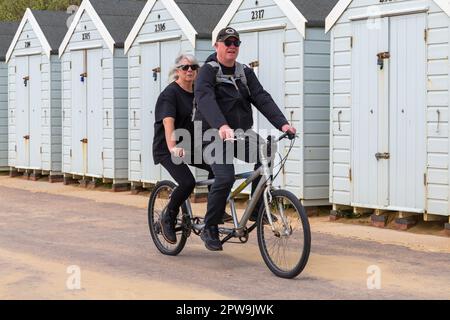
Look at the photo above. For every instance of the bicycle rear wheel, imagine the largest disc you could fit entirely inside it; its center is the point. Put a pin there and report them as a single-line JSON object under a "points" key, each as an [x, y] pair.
{"points": [[285, 250], [158, 202]]}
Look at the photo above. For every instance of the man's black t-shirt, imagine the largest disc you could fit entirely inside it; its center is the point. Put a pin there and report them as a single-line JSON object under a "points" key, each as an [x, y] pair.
{"points": [[173, 102]]}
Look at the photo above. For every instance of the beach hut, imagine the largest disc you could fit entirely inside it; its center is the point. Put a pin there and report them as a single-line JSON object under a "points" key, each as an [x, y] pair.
{"points": [[389, 100], [285, 43], [7, 31], [95, 92], [164, 29], [35, 95]]}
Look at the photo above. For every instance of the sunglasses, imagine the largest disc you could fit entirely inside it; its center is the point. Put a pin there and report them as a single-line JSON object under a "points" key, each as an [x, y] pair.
{"points": [[236, 43], [185, 67]]}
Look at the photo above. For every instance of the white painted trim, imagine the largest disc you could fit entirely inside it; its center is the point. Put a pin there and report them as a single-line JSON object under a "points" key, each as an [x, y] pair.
{"points": [[174, 11], [262, 27], [226, 18], [448, 201], [388, 208], [391, 13], [444, 5], [95, 45], [286, 6], [24, 53], [138, 25], [336, 13], [160, 38], [86, 6], [37, 30], [342, 5]]}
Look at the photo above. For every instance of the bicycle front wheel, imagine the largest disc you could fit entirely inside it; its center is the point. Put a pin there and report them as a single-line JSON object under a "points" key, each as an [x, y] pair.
{"points": [[158, 202], [286, 249]]}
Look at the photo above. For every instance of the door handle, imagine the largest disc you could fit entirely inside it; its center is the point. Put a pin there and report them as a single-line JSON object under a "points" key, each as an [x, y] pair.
{"points": [[25, 80], [155, 73], [383, 156], [381, 57], [83, 76], [84, 140], [254, 64]]}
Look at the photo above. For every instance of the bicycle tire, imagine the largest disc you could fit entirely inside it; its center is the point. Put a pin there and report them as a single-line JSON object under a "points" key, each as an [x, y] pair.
{"points": [[261, 234], [154, 224]]}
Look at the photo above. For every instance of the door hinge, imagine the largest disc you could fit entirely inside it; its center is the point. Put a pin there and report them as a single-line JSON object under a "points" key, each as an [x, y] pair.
{"points": [[140, 59], [71, 153], [350, 176], [70, 65], [40, 149], [351, 42], [284, 47], [425, 179], [15, 148], [425, 35], [103, 156], [140, 157], [40, 67]]}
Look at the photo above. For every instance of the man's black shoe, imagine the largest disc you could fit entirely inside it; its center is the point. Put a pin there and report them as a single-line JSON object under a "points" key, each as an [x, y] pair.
{"points": [[227, 217], [168, 223], [210, 236]]}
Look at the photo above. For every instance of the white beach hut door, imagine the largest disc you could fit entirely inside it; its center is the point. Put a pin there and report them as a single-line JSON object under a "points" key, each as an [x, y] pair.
{"points": [[95, 119], [22, 112], [271, 76], [268, 66], [157, 59], [35, 105], [150, 92], [407, 111], [370, 121], [389, 99], [248, 55], [79, 113], [169, 52]]}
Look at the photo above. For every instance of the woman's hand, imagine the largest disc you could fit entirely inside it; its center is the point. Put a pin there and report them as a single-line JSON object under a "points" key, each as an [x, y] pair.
{"points": [[226, 133], [178, 152]]}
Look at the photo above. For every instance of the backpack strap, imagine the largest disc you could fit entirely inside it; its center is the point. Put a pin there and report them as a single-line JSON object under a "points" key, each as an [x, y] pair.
{"points": [[239, 74]]}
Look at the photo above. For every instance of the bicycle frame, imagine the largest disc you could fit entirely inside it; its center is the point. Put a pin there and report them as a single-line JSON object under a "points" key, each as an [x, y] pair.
{"points": [[263, 189]]}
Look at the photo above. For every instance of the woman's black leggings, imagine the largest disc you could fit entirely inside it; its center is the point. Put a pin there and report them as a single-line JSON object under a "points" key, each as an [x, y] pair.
{"points": [[184, 179]]}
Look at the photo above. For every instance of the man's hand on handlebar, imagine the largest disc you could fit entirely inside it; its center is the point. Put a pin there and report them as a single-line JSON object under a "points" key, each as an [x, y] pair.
{"points": [[291, 131]]}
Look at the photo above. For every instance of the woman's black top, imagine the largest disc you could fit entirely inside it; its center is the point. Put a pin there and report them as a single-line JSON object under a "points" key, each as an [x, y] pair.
{"points": [[173, 102]]}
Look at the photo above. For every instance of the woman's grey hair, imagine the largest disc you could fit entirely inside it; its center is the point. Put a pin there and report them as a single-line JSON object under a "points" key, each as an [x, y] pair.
{"points": [[173, 76]]}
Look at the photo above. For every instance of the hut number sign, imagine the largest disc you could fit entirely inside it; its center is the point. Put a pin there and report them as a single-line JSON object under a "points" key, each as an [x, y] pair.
{"points": [[160, 27], [86, 36], [258, 14]]}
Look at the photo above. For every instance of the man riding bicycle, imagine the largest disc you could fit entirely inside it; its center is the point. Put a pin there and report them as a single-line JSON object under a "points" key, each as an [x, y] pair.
{"points": [[225, 91]]}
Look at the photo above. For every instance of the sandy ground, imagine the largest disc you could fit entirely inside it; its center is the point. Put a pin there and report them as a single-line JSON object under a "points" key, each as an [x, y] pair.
{"points": [[45, 228]]}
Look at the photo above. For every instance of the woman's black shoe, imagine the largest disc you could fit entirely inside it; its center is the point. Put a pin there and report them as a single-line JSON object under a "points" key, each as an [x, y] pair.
{"points": [[168, 223]]}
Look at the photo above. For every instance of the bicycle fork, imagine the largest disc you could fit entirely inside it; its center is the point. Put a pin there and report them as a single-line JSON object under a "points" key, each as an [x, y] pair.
{"points": [[268, 198]]}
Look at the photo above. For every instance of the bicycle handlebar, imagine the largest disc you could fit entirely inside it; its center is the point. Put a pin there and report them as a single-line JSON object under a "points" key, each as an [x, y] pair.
{"points": [[288, 135]]}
